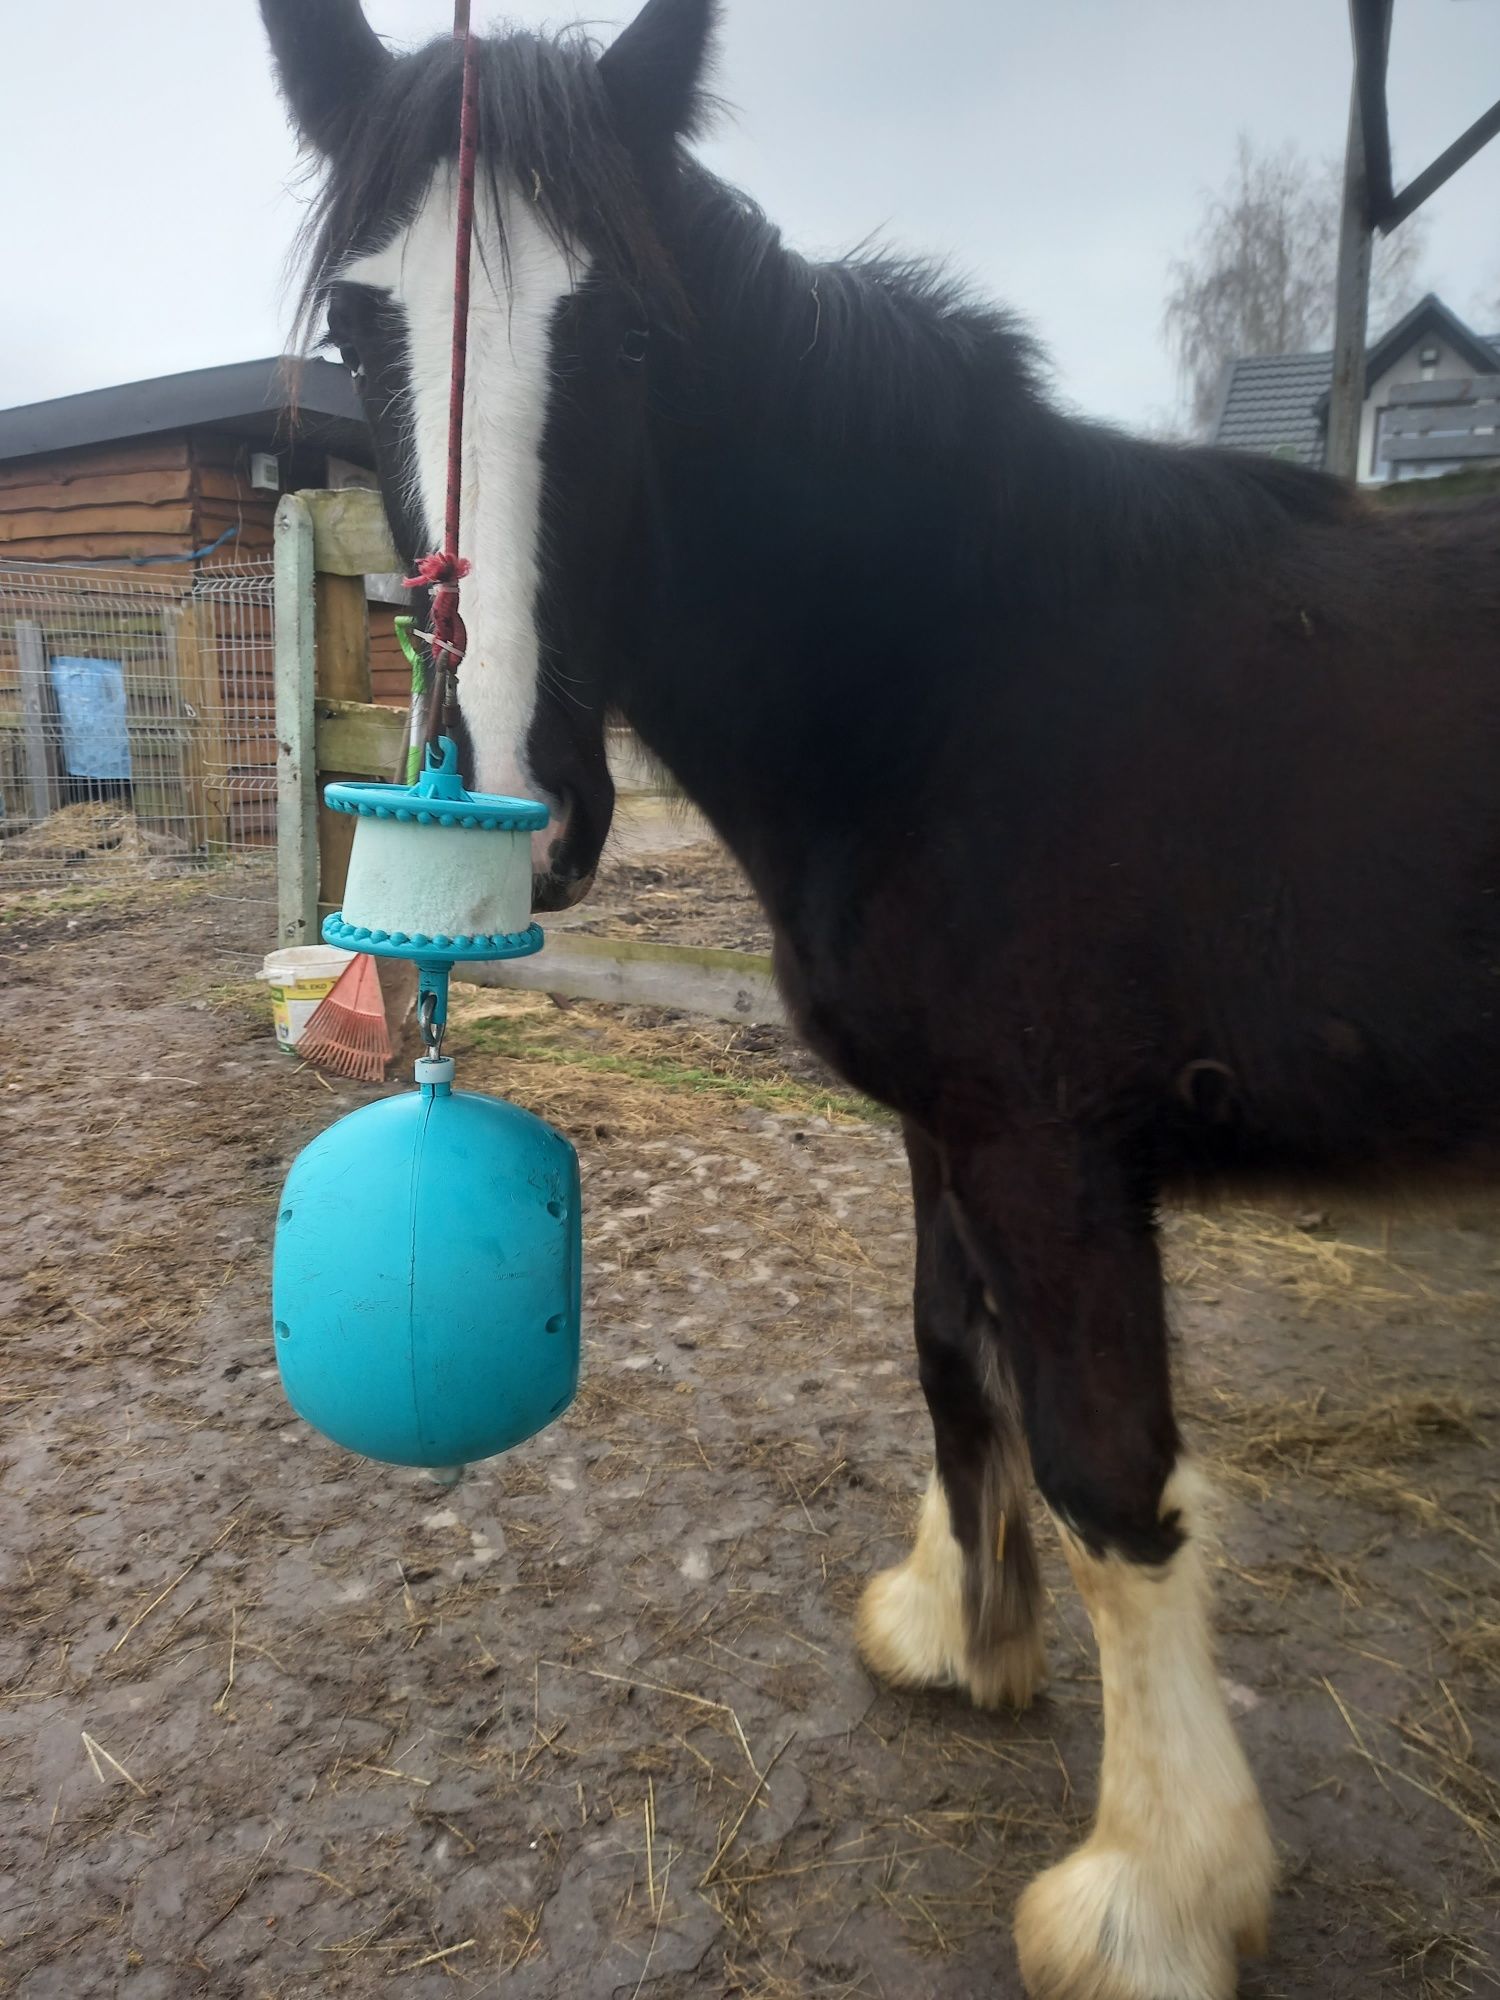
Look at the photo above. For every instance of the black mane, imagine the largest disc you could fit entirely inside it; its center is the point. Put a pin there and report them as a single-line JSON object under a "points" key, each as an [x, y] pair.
{"points": [[870, 351], [874, 352], [869, 338]]}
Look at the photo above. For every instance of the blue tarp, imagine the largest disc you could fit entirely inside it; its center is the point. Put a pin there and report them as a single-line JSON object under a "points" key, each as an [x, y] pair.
{"points": [[91, 701]]}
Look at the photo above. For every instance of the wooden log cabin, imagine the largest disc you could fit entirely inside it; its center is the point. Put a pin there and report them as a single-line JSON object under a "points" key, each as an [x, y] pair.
{"points": [[170, 480], [157, 473]]}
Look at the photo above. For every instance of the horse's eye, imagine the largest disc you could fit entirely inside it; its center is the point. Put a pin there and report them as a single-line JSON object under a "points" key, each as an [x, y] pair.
{"points": [[348, 353]]}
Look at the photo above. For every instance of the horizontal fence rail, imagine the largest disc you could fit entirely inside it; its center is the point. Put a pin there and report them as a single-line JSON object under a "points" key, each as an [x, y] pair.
{"points": [[1445, 422]]}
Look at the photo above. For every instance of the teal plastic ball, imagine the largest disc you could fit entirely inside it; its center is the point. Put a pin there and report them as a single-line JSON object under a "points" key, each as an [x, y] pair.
{"points": [[426, 1285]]}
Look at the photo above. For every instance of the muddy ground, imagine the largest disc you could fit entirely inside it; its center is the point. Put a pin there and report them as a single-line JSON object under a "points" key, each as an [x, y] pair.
{"points": [[692, 895], [275, 1721]]}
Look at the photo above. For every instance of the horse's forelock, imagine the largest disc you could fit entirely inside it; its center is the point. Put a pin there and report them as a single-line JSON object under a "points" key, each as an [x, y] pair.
{"points": [[545, 130]]}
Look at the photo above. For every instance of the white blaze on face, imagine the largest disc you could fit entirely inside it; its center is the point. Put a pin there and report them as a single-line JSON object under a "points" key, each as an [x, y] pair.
{"points": [[505, 411]]}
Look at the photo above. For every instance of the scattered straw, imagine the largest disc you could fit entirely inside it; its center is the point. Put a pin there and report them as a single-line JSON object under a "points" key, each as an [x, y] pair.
{"points": [[162, 1595], [221, 1706], [1249, 1248], [656, 1895], [438, 1957], [240, 1894], [97, 1755], [658, 1687], [754, 1793], [1353, 1449], [1458, 1785], [384, 1771]]}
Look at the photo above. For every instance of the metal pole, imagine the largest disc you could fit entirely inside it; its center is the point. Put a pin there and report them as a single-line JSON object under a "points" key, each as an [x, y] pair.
{"points": [[1351, 306], [1356, 243]]}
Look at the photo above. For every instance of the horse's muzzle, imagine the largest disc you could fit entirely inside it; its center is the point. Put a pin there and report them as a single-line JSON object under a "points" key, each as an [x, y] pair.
{"points": [[559, 892]]}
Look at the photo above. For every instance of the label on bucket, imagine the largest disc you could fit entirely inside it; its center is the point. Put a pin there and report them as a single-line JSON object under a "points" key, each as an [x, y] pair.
{"points": [[293, 1006]]}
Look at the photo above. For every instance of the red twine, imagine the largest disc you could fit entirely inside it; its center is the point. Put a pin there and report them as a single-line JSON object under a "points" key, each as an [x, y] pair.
{"points": [[439, 571], [442, 571]]}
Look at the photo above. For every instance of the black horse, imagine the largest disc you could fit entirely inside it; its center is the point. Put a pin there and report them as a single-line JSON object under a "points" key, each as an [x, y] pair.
{"points": [[1128, 816]]}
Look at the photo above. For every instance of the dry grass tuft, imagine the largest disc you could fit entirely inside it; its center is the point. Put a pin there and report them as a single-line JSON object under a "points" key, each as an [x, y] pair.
{"points": [[1433, 1755], [1436, 1957], [1476, 1647], [1248, 1249], [1358, 1452], [638, 1072], [1312, 1436], [93, 833]]}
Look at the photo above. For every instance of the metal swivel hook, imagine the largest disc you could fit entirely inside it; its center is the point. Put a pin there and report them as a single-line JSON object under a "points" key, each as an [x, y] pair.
{"points": [[432, 1007]]}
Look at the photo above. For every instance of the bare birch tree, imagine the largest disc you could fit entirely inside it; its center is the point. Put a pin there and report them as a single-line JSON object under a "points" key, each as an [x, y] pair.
{"points": [[1258, 277]]}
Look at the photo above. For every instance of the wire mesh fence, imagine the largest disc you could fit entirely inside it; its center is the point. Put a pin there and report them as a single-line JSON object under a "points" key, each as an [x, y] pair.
{"points": [[138, 733]]}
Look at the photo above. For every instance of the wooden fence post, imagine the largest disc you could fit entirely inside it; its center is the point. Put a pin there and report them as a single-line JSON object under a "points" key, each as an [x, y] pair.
{"points": [[40, 781], [296, 754], [327, 727], [355, 739], [341, 673]]}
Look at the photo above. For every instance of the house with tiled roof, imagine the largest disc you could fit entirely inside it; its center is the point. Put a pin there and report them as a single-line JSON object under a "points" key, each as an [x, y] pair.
{"points": [[1432, 400]]}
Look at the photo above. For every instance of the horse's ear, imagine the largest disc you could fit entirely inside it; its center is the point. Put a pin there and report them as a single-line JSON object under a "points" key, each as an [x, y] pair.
{"points": [[654, 70], [327, 57]]}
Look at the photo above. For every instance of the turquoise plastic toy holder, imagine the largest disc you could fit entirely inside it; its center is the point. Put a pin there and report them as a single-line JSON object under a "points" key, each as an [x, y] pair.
{"points": [[428, 1258]]}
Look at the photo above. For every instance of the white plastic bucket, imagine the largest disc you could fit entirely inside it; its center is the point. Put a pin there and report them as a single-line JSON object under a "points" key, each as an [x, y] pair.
{"points": [[300, 978]]}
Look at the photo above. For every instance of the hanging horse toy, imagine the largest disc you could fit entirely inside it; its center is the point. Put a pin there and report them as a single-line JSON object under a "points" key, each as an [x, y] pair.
{"points": [[428, 1259]]}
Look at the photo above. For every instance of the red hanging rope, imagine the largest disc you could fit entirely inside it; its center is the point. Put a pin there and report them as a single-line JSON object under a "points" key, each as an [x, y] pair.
{"points": [[442, 572]]}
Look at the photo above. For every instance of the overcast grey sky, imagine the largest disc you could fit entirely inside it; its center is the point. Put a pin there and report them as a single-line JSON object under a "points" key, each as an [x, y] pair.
{"points": [[1056, 150]]}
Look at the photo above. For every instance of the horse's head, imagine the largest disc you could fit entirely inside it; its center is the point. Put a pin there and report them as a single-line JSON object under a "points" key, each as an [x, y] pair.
{"points": [[568, 275]]}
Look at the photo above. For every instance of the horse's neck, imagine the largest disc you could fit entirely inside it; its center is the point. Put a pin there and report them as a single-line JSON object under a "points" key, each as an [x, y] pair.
{"points": [[801, 537]]}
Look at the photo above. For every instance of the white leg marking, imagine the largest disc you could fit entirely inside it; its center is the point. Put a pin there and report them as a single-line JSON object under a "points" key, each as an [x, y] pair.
{"points": [[505, 413], [912, 1627], [1178, 1872]]}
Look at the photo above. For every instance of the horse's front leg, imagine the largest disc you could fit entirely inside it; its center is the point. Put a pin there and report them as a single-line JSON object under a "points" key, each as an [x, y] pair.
{"points": [[963, 1609], [1177, 1875]]}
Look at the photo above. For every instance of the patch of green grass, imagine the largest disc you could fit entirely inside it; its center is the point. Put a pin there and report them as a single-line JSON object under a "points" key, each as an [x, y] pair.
{"points": [[80, 899], [246, 1000], [1463, 485], [526, 1039], [27, 903], [239, 996]]}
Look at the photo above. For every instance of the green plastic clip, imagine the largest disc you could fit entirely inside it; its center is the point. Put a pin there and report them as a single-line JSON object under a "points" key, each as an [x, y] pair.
{"points": [[421, 681]]}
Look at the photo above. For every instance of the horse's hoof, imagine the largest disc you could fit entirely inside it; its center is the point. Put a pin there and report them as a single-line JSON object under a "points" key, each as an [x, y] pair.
{"points": [[911, 1632], [1112, 1924], [1010, 1673]]}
